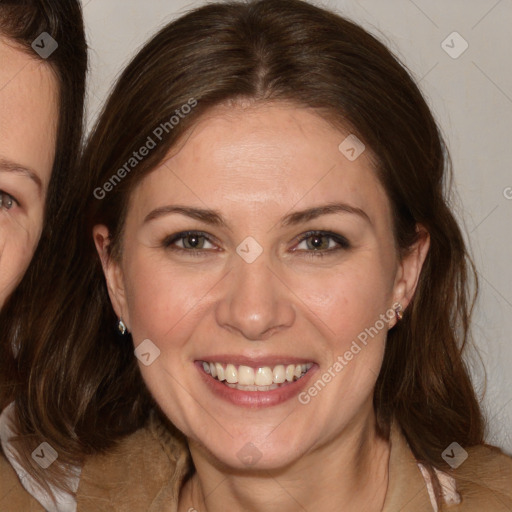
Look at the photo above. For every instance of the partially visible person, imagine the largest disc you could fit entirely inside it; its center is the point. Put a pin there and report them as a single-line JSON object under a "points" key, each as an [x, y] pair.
{"points": [[42, 79], [43, 65]]}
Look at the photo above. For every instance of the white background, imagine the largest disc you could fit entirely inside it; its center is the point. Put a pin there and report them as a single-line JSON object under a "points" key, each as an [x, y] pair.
{"points": [[471, 97]]}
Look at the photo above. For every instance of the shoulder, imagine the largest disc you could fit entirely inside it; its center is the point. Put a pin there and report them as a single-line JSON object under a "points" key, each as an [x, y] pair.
{"points": [[484, 479], [144, 467], [13, 496]]}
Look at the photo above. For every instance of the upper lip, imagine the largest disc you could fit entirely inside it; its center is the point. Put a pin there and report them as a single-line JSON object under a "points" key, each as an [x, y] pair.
{"points": [[255, 362]]}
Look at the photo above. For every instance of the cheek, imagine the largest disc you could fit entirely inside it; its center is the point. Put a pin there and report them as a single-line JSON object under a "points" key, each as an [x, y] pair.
{"points": [[349, 299], [159, 297], [17, 245], [353, 306]]}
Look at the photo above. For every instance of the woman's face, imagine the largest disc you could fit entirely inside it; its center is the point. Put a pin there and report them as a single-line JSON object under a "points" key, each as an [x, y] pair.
{"points": [[253, 292], [28, 121]]}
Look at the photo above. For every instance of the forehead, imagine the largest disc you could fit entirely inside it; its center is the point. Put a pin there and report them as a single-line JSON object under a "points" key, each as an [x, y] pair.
{"points": [[29, 107], [263, 156]]}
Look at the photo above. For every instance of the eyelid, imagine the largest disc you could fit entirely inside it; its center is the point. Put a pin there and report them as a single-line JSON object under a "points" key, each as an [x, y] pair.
{"points": [[171, 239], [339, 239]]}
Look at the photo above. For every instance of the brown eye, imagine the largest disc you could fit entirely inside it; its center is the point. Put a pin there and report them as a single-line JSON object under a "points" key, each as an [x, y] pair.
{"points": [[190, 242], [318, 242], [193, 241]]}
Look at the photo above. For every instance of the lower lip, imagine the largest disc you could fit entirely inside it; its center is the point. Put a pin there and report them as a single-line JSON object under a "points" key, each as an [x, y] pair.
{"points": [[256, 399]]}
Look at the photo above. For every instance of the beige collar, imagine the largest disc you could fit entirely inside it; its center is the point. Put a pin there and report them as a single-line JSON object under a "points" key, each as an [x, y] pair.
{"points": [[146, 471]]}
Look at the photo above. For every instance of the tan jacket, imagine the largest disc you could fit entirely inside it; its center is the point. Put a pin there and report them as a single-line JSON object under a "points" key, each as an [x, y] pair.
{"points": [[145, 471]]}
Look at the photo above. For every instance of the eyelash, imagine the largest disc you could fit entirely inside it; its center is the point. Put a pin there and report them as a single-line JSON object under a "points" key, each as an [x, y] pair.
{"points": [[9, 198], [343, 243]]}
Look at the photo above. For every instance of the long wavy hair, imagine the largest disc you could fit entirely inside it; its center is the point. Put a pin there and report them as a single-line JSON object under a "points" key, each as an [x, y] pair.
{"points": [[78, 386]]}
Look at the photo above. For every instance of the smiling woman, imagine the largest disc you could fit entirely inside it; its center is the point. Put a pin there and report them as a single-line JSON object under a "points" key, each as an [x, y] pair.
{"points": [[290, 237]]}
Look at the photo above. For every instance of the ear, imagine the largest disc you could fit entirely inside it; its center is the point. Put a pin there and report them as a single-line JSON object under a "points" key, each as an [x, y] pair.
{"points": [[409, 269], [113, 273]]}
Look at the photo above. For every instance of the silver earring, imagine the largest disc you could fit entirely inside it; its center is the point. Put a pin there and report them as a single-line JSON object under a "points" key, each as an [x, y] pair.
{"points": [[398, 312], [121, 327]]}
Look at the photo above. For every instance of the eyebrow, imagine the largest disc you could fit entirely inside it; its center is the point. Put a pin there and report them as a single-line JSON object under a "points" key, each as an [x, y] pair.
{"points": [[214, 218], [317, 211], [9, 166]]}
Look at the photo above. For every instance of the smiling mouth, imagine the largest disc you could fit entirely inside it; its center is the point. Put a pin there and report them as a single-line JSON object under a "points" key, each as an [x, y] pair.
{"points": [[247, 378]]}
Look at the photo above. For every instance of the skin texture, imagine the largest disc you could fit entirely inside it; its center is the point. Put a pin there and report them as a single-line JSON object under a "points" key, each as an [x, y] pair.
{"points": [[28, 125], [256, 164]]}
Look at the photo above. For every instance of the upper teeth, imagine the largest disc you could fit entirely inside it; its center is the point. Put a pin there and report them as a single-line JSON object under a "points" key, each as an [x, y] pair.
{"points": [[262, 376]]}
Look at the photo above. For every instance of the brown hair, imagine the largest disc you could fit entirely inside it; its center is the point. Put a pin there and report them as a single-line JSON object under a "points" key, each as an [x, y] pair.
{"points": [[78, 385]]}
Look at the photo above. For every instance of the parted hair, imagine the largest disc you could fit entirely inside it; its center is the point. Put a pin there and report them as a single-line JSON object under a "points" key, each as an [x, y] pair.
{"points": [[77, 385]]}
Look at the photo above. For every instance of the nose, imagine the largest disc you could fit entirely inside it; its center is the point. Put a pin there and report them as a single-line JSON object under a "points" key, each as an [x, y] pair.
{"points": [[255, 302]]}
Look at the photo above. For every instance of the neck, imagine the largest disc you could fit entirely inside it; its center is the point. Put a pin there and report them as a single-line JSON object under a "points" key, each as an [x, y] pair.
{"points": [[349, 473]]}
